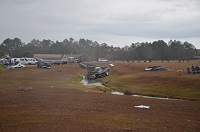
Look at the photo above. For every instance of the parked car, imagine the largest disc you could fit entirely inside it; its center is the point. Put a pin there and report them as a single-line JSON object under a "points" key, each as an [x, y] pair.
{"points": [[4, 62], [43, 64], [102, 60], [46, 65], [154, 68], [77, 60]]}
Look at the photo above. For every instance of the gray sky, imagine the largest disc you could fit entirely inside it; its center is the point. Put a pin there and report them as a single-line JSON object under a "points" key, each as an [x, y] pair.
{"points": [[115, 22]]}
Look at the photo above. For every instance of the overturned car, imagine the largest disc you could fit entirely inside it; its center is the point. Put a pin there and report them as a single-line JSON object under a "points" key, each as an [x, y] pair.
{"points": [[154, 68], [95, 71]]}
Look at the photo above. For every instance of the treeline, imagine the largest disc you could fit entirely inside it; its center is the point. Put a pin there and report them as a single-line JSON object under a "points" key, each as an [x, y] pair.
{"points": [[158, 50]]}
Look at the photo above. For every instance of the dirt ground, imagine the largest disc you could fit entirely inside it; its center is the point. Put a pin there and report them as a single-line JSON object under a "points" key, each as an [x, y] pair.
{"points": [[49, 108]]}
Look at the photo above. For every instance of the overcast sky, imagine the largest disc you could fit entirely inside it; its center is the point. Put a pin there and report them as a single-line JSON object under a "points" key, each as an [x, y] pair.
{"points": [[115, 22]]}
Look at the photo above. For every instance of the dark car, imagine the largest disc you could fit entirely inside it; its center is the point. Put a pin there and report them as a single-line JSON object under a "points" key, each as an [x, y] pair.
{"points": [[83, 65], [195, 69], [46, 65], [42, 64], [154, 68], [97, 71], [77, 60]]}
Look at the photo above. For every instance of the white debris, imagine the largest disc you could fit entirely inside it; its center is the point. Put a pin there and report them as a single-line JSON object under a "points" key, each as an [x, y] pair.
{"points": [[111, 64], [142, 107], [117, 93]]}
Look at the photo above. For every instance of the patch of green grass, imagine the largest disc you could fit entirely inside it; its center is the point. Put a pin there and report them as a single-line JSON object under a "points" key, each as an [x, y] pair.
{"points": [[1, 67], [168, 87]]}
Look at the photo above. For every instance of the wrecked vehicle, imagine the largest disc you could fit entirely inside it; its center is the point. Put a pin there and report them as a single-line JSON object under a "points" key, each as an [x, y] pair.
{"points": [[97, 71], [154, 68], [18, 65]]}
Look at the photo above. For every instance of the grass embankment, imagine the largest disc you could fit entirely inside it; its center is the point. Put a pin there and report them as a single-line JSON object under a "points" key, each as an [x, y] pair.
{"points": [[59, 76], [132, 79], [128, 77]]}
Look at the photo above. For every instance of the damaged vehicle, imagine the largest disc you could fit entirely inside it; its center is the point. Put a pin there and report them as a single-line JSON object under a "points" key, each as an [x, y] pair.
{"points": [[154, 68], [97, 71], [18, 65]]}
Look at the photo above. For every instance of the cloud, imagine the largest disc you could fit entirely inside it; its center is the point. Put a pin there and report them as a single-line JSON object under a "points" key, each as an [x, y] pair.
{"points": [[100, 19]]}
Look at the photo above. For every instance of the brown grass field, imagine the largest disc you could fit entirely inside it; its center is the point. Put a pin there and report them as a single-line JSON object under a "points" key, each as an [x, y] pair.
{"points": [[59, 102]]}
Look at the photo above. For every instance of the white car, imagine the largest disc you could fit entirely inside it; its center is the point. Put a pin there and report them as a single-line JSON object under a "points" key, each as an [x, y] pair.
{"points": [[102, 60]]}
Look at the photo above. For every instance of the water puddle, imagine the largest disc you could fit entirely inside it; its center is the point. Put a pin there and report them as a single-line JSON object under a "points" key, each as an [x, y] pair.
{"points": [[91, 82], [135, 95], [117, 93]]}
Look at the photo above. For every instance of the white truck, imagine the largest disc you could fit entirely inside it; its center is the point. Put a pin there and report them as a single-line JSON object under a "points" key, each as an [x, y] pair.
{"points": [[24, 60]]}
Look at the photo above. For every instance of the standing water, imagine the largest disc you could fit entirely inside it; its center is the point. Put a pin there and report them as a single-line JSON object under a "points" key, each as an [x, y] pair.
{"points": [[91, 82]]}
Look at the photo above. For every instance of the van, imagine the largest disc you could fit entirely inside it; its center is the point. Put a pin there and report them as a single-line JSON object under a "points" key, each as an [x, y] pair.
{"points": [[19, 60]]}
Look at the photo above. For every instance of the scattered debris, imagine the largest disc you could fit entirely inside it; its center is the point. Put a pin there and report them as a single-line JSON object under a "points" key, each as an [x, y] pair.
{"points": [[111, 64], [25, 88], [142, 107], [117, 93], [18, 65]]}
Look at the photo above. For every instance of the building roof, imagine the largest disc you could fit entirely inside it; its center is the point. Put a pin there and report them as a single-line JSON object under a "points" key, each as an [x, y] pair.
{"points": [[62, 57], [48, 56]]}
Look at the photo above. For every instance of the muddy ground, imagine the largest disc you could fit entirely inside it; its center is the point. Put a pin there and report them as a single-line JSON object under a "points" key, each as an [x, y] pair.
{"points": [[52, 107]]}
